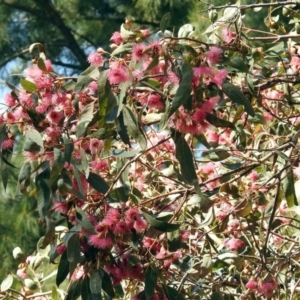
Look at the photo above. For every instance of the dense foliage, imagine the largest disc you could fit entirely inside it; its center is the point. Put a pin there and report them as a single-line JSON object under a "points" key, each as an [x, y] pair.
{"points": [[169, 168]]}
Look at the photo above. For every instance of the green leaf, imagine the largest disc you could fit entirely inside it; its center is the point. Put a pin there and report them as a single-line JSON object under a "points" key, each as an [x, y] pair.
{"points": [[83, 220], [160, 225], [184, 89], [236, 63], [63, 269], [124, 153], [85, 290], [150, 282], [41, 64], [54, 294], [98, 183], [217, 122], [28, 86], [121, 129], [133, 128], [7, 282], [185, 157], [235, 94], [73, 248], [43, 192], [217, 154], [174, 242], [69, 147], [82, 82], [33, 141], [289, 189], [165, 21], [153, 63], [74, 290], [171, 293], [84, 119], [104, 89], [96, 284], [58, 165], [24, 176], [119, 194], [107, 285], [276, 50], [124, 48]]}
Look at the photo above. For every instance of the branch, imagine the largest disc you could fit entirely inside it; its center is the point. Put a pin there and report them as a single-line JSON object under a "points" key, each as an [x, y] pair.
{"points": [[275, 38], [270, 83], [244, 7], [56, 19], [13, 56]]}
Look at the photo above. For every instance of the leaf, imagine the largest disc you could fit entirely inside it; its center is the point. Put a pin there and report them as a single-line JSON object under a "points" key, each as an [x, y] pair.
{"points": [[185, 157], [236, 63], [83, 220], [171, 293], [165, 21], [174, 242], [43, 192], [133, 128], [150, 282], [74, 290], [153, 63], [82, 82], [235, 94], [7, 282], [124, 48], [215, 154], [85, 290], [184, 89], [85, 118], [63, 269], [54, 294], [217, 122], [28, 86], [124, 153], [73, 248], [160, 225], [24, 176], [107, 285], [69, 147], [41, 64], [186, 31], [33, 141], [276, 50], [119, 194], [122, 130], [289, 189], [98, 183], [58, 165], [104, 89], [96, 284]]}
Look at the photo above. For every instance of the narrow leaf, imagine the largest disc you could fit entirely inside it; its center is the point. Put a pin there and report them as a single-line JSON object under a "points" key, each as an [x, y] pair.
{"points": [[165, 21], [73, 248], [96, 284], [103, 88], [63, 269], [107, 285], [171, 293], [150, 282], [85, 290], [160, 225], [185, 157], [235, 94], [133, 127], [74, 290], [58, 165], [184, 89], [82, 82], [217, 122], [289, 190]]}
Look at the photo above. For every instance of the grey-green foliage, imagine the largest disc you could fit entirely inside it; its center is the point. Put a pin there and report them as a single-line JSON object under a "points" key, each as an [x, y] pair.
{"points": [[18, 222]]}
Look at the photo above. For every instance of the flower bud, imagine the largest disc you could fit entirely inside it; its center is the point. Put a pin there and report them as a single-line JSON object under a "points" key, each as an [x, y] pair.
{"points": [[18, 254], [30, 284]]}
